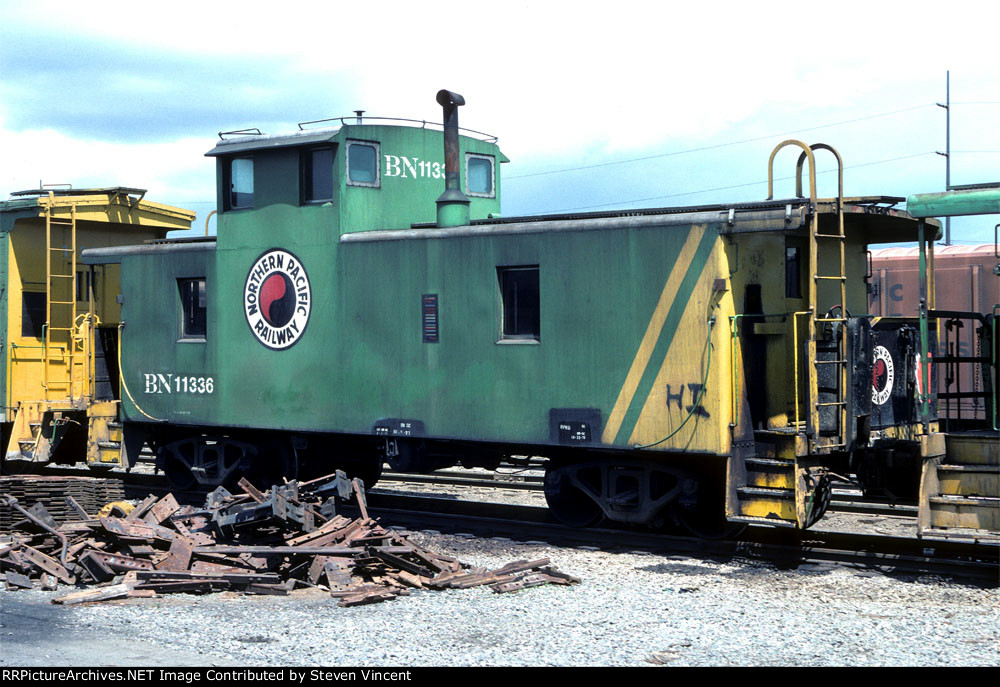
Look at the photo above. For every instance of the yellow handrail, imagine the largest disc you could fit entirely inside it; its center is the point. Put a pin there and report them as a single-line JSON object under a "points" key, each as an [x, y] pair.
{"points": [[815, 277], [795, 358]]}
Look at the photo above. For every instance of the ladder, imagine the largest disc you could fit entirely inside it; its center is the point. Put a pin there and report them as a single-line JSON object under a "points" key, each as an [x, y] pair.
{"points": [[60, 304], [834, 397], [819, 242]]}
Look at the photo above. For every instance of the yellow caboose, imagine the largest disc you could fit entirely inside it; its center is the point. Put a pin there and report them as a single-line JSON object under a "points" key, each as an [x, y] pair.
{"points": [[59, 319]]}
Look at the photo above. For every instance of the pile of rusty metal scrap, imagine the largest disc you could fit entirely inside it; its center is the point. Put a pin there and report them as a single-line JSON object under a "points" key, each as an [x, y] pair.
{"points": [[254, 542]]}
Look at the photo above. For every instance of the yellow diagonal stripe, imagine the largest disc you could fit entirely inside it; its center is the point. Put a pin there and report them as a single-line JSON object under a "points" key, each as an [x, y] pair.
{"points": [[685, 362], [652, 334]]}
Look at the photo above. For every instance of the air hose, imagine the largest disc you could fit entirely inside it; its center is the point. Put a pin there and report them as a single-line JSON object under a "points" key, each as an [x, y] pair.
{"points": [[121, 376], [701, 392]]}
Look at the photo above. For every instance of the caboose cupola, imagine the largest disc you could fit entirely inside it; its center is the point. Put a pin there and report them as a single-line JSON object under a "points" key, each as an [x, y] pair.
{"points": [[363, 174]]}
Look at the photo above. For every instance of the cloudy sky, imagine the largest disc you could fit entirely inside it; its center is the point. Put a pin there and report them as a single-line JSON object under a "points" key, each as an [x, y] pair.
{"points": [[598, 105]]}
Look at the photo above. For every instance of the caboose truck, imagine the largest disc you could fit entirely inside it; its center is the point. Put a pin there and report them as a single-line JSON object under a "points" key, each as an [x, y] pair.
{"points": [[58, 321], [706, 366]]}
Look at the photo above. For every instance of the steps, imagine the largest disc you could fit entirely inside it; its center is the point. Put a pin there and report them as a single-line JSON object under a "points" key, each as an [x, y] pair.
{"points": [[960, 491], [27, 442], [768, 495], [104, 435]]}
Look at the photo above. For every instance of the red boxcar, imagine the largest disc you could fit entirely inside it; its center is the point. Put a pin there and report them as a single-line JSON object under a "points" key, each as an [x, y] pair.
{"points": [[967, 278]]}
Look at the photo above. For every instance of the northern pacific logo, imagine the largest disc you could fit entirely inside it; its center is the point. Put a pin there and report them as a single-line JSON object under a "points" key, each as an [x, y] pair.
{"points": [[277, 299], [883, 375]]}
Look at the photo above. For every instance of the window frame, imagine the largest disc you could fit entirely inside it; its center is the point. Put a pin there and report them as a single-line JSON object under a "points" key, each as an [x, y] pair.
{"points": [[493, 175], [227, 183], [185, 317], [518, 337], [82, 285], [42, 312], [794, 269], [351, 142], [306, 170]]}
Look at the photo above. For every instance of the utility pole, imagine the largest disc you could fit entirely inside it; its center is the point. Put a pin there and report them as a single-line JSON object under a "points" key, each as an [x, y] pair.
{"points": [[947, 153]]}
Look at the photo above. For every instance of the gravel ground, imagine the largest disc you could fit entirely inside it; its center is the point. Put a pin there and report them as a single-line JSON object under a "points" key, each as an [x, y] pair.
{"points": [[632, 609]]}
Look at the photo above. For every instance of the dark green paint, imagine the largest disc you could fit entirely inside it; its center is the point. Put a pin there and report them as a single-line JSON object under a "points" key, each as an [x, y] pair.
{"points": [[4, 341], [362, 356], [151, 337], [401, 199]]}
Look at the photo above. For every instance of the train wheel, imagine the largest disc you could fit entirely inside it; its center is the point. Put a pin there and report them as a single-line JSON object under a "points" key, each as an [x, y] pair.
{"points": [[273, 464], [204, 462], [567, 501], [701, 511], [822, 493], [176, 466]]}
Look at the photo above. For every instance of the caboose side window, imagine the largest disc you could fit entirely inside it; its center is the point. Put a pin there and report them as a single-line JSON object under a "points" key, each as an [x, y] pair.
{"points": [[793, 271], [317, 174], [362, 163], [83, 285], [479, 175], [239, 183], [520, 299], [32, 314], [194, 311]]}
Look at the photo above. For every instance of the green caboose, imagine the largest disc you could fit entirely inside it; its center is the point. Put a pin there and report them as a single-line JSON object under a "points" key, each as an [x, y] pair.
{"points": [[673, 364]]}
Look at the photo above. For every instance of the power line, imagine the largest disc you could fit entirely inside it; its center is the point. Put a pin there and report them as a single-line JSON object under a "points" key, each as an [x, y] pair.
{"points": [[724, 188], [719, 145]]}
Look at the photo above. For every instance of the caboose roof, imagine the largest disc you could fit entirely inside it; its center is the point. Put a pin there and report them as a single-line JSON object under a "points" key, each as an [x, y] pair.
{"points": [[243, 140], [886, 223], [118, 205], [228, 146]]}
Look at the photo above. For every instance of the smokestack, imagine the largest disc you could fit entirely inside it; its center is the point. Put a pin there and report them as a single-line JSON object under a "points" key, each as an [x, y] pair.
{"points": [[453, 205]]}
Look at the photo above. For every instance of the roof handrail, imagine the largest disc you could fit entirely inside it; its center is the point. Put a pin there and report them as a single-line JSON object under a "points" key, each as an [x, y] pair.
{"points": [[422, 122], [111, 190], [252, 131]]}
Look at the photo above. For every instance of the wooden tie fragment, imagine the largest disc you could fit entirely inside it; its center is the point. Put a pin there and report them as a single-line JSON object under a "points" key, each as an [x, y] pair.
{"points": [[255, 542]]}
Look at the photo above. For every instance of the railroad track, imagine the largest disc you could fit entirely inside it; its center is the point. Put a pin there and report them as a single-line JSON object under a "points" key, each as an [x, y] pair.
{"points": [[783, 548], [845, 499]]}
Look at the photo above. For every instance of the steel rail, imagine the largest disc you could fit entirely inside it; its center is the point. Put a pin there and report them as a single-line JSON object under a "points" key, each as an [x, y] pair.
{"points": [[140, 484], [783, 548], [845, 504]]}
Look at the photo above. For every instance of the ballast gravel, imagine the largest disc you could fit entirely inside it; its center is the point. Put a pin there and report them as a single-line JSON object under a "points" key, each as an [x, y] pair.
{"points": [[631, 609]]}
